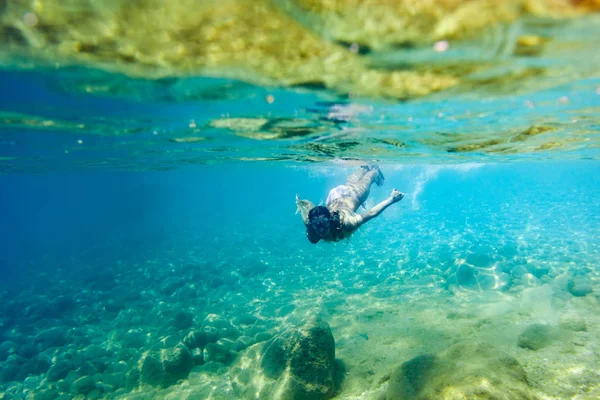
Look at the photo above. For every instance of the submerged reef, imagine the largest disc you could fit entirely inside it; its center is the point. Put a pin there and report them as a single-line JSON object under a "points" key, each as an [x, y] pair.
{"points": [[302, 361], [316, 43], [198, 331], [464, 371]]}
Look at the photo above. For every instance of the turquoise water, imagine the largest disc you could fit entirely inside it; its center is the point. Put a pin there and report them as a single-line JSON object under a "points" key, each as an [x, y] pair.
{"points": [[150, 246]]}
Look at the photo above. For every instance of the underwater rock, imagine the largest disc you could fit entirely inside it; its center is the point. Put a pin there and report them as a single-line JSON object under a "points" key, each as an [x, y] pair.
{"points": [[132, 379], [186, 293], [87, 368], [285, 310], [151, 370], [573, 322], [536, 336], [165, 367], [471, 278], [83, 385], [113, 305], [134, 339], [96, 352], [200, 338], [464, 371], [59, 370], [274, 358], [245, 319], [492, 281], [210, 368], [242, 342], [219, 353], [125, 355], [465, 276], [177, 363], [182, 320], [579, 286], [64, 385], [46, 394], [262, 337], [6, 348], [53, 337], [27, 350], [38, 364], [167, 342], [115, 380], [198, 356], [53, 308], [303, 362], [226, 343], [10, 372], [561, 282], [170, 285], [120, 367], [221, 325], [527, 281]]}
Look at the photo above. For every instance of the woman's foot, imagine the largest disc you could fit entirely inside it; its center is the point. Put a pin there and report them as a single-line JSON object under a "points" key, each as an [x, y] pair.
{"points": [[380, 178]]}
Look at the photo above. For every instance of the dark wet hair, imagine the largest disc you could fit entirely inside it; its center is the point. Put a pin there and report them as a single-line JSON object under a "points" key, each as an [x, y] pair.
{"points": [[315, 212], [318, 211]]}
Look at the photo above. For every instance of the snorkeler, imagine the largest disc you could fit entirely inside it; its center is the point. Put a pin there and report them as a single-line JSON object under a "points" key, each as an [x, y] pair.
{"points": [[338, 219]]}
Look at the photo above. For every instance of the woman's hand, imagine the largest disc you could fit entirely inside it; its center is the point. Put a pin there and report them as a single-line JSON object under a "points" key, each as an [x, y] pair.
{"points": [[396, 195]]}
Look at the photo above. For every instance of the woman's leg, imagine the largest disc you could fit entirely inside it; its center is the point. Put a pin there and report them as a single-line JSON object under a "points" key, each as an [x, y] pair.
{"points": [[360, 188], [356, 190], [357, 175]]}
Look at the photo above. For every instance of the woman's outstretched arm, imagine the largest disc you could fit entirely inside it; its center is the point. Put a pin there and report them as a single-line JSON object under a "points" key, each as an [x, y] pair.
{"points": [[395, 197]]}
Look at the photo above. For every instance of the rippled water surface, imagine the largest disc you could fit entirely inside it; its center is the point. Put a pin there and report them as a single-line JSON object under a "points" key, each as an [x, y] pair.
{"points": [[47, 127]]}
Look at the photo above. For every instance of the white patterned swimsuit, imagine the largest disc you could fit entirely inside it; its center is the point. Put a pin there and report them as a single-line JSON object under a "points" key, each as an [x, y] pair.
{"points": [[337, 193]]}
